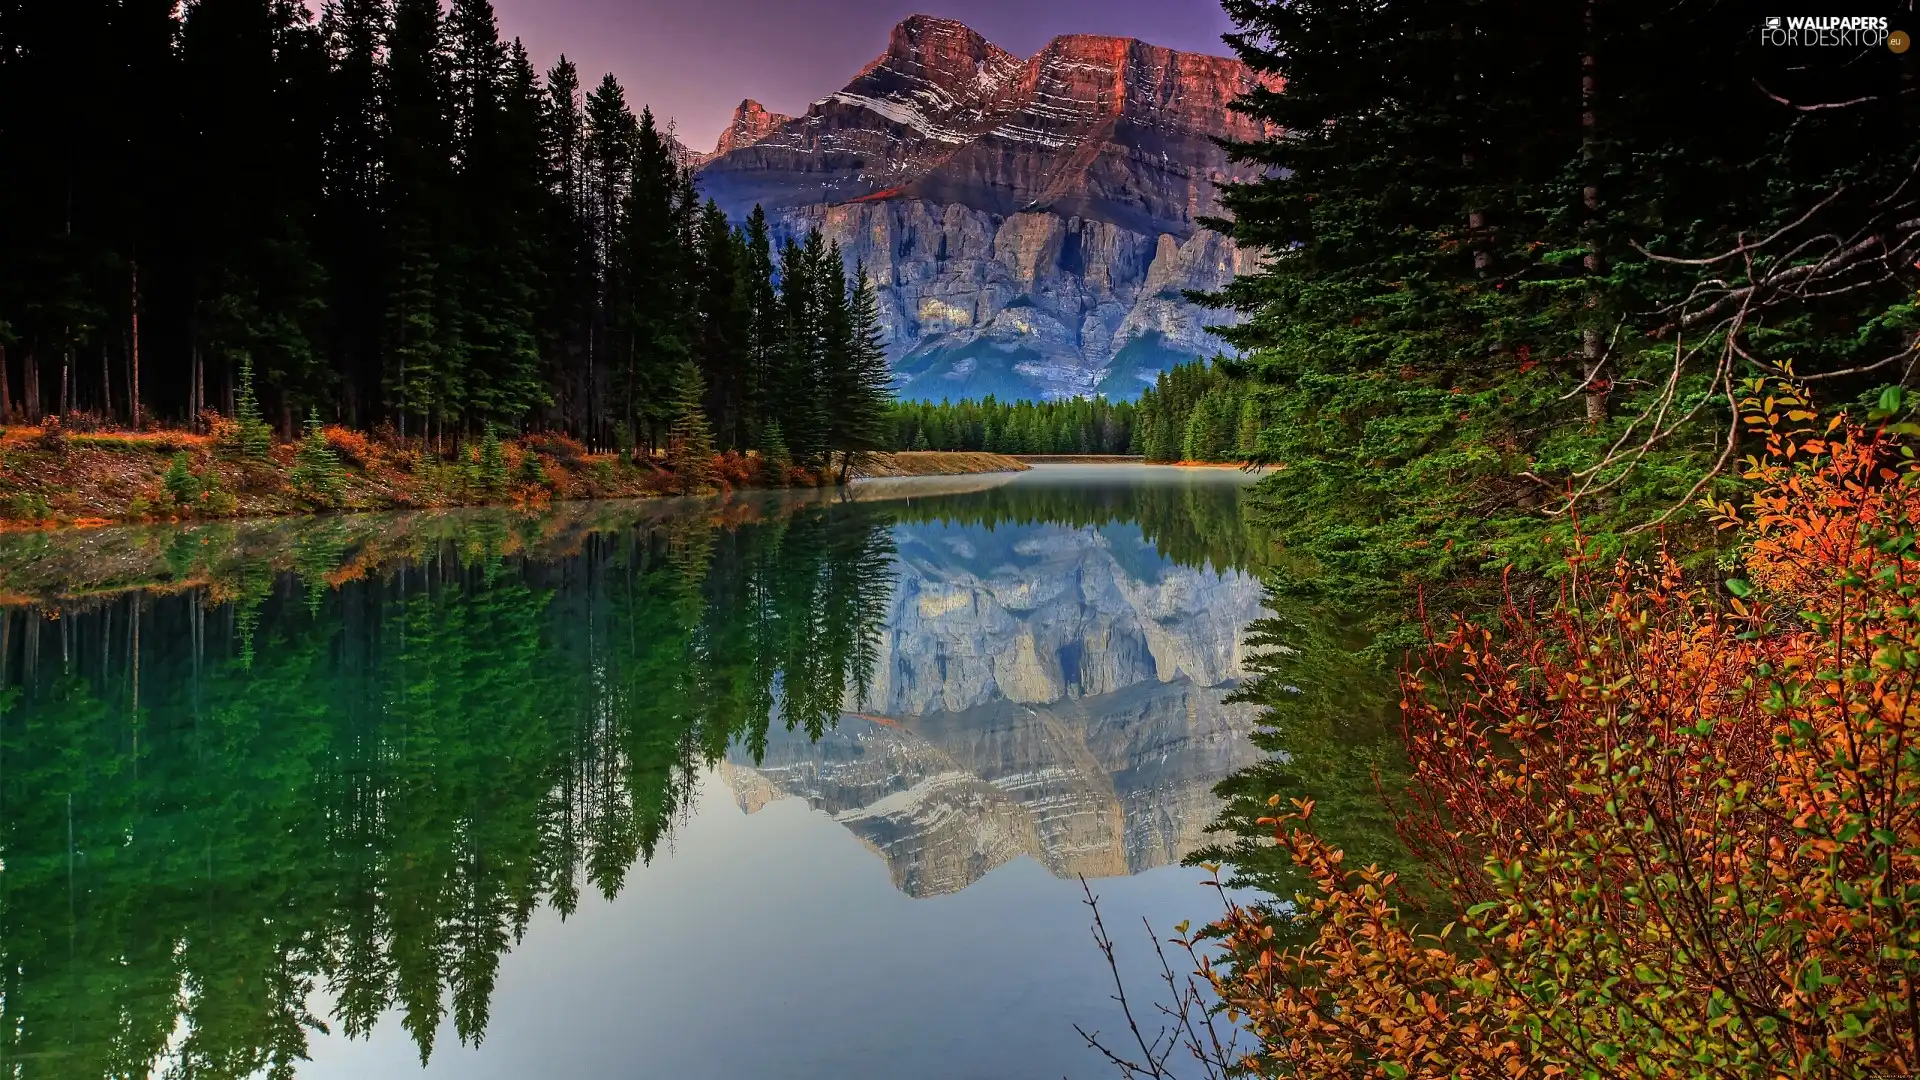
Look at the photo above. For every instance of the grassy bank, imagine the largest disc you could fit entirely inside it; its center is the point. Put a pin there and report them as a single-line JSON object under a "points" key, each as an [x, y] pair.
{"points": [[937, 463], [52, 476]]}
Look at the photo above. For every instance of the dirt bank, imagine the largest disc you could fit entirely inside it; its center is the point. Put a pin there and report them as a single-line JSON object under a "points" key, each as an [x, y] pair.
{"points": [[938, 463]]}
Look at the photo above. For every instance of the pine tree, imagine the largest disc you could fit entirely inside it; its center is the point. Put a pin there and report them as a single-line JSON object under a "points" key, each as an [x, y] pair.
{"points": [[721, 322], [797, 381], [350, 234], [764, 339], [651, 305], [774, 454], [424, 332], [1247, 438], [490, 465], [690, 442], [317, 473], [607, 159], [862, 412], [180, 483], [252, 437]]}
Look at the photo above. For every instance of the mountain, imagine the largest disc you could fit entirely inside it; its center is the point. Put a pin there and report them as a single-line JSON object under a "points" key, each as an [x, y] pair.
{"points": [[1033, 223], [751, 123], [1041, 690]]}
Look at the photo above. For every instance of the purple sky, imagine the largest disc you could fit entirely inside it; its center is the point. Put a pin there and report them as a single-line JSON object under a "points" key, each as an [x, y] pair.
{"points": [[693, 60]]}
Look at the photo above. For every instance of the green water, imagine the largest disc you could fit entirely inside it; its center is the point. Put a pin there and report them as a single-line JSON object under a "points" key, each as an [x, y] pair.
{"points": [[771, 785]]}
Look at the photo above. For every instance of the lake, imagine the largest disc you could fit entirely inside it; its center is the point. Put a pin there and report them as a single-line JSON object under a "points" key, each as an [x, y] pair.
{"points": [[777, 784]]}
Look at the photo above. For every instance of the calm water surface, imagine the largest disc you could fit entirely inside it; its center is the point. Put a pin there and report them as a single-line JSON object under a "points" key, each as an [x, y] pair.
{"points": [[778, 785]]}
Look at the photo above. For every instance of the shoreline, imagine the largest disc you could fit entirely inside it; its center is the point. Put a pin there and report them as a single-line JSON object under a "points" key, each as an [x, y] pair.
{"points": [[53, 478]]}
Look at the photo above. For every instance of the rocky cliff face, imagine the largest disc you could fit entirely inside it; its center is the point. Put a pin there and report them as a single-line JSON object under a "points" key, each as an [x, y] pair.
{"points": [[751, 123], [1033, 223], [1045, 691]]}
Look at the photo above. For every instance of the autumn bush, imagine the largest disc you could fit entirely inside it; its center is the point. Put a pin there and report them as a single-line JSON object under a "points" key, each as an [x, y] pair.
{"points": [[1679, 820], [562, 448], [352, 446], [733, 469]]}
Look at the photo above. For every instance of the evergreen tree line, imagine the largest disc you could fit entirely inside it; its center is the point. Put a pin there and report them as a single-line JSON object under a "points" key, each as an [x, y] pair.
{"points": [[1076, 426], [1198, 412], [395, 220], [1193, 412], [214, 804]]}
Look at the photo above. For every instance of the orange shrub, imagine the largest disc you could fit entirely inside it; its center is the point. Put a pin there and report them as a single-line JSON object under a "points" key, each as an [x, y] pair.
{"points": [[1681, 823], [351, 445], [563, 448], [733, 469]]}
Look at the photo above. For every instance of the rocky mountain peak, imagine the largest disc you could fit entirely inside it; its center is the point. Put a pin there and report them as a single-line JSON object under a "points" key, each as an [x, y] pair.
{"points": [[751, 123], [1034, 222], [941, 52]]}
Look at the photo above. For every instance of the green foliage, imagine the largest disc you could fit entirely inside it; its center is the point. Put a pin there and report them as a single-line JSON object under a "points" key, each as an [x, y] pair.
{"points": [[181, 485], [317, 472], [1462, 323], [490, 464], [1075, 426], [251, 438], [690, 446], [531, 472], [773, 451], [386, 213], [1197, 412], [863, 392], [28, 506]]}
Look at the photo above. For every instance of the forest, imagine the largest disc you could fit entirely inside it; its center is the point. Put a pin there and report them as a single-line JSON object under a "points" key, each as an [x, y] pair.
{"points": [[1193, 412], [1584, 359], [395, 222]]}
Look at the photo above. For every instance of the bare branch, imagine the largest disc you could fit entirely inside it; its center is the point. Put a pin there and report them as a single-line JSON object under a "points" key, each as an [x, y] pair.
{"points": [[1816, 108], [1743, 246]]}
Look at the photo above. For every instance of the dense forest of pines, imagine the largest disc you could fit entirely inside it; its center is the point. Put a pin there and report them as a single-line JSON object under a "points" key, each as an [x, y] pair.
{"points": [[1193, 412], [396, 221]]}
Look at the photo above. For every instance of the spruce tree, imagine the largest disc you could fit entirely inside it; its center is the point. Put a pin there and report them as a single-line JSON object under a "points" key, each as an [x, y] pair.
{"points": [[796, 386], [490, 465], [350, 237], [721, 322], [424, 333], [774, 455], [690, 442], [863, 411], [317, 473], [253, 438], [763, 344]]}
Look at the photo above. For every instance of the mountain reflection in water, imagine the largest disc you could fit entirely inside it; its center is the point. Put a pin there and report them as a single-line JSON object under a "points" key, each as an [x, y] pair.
{"points": [[266, 780]]}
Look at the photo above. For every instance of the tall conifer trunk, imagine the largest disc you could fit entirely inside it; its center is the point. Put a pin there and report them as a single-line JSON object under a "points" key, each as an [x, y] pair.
{"points": [[32, 387], [106, 386], [133, 359], [6, 392], [1592, 349]]}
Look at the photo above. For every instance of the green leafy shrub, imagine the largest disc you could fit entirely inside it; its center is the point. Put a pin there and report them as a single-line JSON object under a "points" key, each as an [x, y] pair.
{"points": [[531, 472], [216, 501], [28, 506]]}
